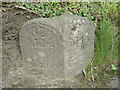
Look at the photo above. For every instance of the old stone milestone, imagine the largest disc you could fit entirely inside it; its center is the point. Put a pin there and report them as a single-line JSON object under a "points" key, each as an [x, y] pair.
{"points": [[59, 47]]}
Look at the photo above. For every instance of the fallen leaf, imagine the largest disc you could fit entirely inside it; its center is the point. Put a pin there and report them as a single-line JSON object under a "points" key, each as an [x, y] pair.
{"points": [[113, 67]]}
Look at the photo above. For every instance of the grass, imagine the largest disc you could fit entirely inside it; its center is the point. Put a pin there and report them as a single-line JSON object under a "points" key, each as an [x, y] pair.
{"points": [[106, 51], [105, 42]]}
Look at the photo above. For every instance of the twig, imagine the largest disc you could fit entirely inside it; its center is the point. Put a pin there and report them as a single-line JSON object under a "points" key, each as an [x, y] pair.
{"points": [[84, 72], [26, 9], [92, 70], [112, 49]]}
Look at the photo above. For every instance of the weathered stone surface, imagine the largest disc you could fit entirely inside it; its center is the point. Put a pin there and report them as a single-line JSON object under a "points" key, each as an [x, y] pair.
{"points": [[59, 47]]}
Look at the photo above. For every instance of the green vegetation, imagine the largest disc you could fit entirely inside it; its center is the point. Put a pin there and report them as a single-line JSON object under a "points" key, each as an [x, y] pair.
{"points": [[106, 42], [104, 15], [96, 10]]}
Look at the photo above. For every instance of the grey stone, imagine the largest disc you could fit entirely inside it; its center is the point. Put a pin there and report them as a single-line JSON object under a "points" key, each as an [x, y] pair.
{"points": [[59, 47]]}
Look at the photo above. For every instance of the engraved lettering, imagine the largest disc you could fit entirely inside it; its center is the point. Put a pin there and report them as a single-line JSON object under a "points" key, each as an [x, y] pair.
{"points": [[30, 42]]}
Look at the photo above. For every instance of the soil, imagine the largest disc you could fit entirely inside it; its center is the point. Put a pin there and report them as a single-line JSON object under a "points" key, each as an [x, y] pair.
{"points": [[13, 67]]}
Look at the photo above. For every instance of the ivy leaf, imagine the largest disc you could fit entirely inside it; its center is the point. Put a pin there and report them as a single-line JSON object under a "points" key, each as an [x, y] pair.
{"points": [[113, 67]]}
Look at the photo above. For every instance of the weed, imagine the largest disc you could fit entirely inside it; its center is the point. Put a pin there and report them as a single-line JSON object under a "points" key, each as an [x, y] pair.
{"points": [[104, 42]]}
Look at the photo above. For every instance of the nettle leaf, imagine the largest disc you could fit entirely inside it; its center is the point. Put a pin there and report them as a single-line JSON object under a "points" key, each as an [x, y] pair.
{"points": [[26, 4], [74, 11], [54, 14], [113, 67], [57, 11], [46, 7], [38, 5]]}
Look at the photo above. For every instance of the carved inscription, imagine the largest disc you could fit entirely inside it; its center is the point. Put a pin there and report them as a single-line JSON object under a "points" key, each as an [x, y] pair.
{"points": [[41, 41], [75, 36], [81, 40], [77, 39]]}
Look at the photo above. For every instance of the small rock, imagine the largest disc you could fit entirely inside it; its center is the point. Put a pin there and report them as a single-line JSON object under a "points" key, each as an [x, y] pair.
{"points": [[28, 17], [4, 10]]}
